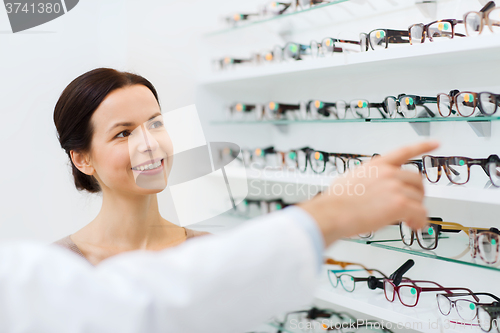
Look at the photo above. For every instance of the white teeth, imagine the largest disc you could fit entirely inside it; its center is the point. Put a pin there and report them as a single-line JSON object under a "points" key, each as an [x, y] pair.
{"points": [[148, 167]]}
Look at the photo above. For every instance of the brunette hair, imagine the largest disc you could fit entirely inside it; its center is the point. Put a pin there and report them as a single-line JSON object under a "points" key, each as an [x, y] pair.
{"points": [[77, 104]]}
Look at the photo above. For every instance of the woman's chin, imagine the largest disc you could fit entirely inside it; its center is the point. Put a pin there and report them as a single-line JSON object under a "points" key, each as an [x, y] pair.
{"points": [[158, 183]]}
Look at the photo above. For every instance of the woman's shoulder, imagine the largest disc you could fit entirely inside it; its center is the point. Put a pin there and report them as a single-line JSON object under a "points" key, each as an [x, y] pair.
{"points": [[190, 233], [69, 244]]}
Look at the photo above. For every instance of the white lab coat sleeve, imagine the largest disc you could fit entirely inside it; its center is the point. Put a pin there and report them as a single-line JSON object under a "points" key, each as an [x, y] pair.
{"points": [[218, 283]]}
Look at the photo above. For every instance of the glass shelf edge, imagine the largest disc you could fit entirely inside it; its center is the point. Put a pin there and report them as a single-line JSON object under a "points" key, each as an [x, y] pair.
{"points": [[426, 255], [275, 18], [376, 120]]}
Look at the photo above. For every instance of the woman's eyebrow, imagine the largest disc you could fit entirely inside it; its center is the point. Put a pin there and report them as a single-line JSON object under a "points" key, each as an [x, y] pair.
{"points": [[125, 124]]}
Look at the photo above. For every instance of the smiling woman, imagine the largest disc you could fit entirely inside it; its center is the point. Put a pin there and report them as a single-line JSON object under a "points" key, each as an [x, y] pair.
{"points": [[110, 125]]}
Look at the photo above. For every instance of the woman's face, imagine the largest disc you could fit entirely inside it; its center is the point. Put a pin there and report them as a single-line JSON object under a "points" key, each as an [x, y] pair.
{"points": [[131, 150]]}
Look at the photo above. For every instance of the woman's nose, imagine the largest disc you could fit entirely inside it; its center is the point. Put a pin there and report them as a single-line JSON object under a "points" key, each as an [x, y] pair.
{"points": [[147, 141]]}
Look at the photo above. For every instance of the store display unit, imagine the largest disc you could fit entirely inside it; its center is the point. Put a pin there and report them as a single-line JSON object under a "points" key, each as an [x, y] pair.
{"points": [[469, 63]]}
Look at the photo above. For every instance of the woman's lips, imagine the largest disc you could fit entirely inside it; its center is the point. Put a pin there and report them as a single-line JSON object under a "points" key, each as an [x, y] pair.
{"points": [[151, 172], [148, 162]]}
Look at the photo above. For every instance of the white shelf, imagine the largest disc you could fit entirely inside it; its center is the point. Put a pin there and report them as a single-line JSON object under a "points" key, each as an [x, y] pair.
{"points": [[455, 192], [424, 317], [426, 56]]}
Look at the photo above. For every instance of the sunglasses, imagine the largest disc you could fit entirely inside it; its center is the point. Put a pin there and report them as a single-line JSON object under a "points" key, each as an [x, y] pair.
{"points": [[457, 168]]}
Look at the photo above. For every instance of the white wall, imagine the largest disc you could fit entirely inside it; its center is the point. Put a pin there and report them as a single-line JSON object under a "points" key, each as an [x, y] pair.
{"points": [[38, 199], [156, 39]]}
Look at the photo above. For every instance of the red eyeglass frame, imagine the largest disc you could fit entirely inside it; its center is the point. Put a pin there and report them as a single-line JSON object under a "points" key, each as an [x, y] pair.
{"points": [[412, 283]]}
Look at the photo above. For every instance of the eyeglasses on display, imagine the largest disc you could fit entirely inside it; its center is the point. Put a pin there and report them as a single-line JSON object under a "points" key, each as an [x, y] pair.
{"points": [[228, 62], [488, 317], [318, 160], [262, 157], [360, 108], [466, 308], [409, 292], [457, 168], [428, 236], [488, 16], [240, 111], [262, 206], [436, 29], [466, 103], [276, 111], [381, 38], [315, 319], [348, 281], [406, 105], [485, 244]]}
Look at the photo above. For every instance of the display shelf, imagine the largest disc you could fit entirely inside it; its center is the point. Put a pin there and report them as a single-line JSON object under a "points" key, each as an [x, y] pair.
{"points": [[278, 18], [451, 247], [425, 317], [467, 192], [426, 57], [370, 120], [457, 248]]}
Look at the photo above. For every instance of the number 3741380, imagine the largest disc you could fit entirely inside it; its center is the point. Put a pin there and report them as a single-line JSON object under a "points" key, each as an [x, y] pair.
{"points": [[40, 8]]}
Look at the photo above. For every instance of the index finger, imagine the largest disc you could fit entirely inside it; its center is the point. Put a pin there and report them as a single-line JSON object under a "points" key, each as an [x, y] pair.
{"points": [[402, 155]]}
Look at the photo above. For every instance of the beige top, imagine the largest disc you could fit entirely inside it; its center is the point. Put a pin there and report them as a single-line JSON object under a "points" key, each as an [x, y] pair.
{"points": [[69, 244]]}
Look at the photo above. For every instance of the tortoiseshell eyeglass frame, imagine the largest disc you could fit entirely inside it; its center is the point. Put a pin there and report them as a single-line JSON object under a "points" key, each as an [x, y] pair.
{"points": [[425, 29], [443, 162], [390, 37]]}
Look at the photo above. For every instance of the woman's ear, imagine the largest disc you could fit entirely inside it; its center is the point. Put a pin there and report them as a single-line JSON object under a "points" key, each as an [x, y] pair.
{"points": [[82, 162]]}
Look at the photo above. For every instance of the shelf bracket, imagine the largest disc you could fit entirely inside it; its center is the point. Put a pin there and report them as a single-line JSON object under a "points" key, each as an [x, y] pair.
{"points": [[282, 128], [427, 7], [421, 128], [481, 128]]}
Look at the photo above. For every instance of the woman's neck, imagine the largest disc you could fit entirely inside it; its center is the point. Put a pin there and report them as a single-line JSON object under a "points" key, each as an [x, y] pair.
{"points": [[129, 223]]}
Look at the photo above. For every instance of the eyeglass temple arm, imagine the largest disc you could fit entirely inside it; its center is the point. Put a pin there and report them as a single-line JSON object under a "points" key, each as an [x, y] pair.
{"points": [[427, 110], [395, 36], [457, 226], [476, 294], [424, 99], [288, 106], [376, 270], [284, 4], [344, 264], [448, 290], [347, 41]]}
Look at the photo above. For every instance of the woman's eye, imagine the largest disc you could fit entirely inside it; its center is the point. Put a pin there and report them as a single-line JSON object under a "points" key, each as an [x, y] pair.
{"points": [[119, 135], [156, 124]]}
